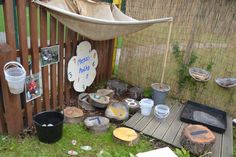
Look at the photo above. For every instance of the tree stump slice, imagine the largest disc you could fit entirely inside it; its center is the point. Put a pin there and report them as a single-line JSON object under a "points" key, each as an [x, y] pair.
{"points": [[125, 135], [197, 139], [73, 115]]}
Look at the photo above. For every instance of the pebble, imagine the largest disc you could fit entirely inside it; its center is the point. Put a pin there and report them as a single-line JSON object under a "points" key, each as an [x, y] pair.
{"points": [[87, 148], [50, 125], [74, 142], [234, 121], [72, 152]]}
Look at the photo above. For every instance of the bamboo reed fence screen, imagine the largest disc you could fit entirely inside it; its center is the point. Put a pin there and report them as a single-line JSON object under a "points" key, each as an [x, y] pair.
{"points": [[206, 27]]}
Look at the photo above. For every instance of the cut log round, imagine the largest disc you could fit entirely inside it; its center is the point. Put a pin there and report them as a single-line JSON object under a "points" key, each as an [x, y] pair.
{"points": [[126, 135], [73, 115], [197, 139]]}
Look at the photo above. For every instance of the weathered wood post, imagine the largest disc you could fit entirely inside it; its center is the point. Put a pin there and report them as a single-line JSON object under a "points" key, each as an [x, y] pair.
{"points": [[12, 104]]}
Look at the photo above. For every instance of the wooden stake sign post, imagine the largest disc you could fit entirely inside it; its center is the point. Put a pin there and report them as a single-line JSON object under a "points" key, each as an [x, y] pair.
{"points": [[166, 53], [82, 68]]}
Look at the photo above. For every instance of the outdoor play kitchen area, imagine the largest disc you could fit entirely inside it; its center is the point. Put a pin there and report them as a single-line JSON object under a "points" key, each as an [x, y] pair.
{"points": [[117, 78]]}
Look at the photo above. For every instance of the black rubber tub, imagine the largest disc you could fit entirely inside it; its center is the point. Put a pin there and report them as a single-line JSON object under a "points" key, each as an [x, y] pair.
{"points": [[49, 126]]}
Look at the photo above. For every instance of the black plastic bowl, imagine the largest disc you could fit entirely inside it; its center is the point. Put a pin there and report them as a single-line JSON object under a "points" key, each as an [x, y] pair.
{"points": [[49, 134]]}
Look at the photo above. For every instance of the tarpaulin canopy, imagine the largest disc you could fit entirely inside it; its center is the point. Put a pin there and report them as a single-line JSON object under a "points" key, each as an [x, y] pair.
{"points": [[96, 20]]}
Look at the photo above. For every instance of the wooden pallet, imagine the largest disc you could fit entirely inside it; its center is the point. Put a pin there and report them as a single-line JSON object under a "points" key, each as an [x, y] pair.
{"points": [[170, 130]]}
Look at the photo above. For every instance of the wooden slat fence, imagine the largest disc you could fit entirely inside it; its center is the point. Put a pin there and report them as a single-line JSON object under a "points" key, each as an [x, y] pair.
{"points": [[15, 113]]}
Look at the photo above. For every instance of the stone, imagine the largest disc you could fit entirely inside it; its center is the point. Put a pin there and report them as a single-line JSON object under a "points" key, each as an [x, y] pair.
{"points": [[83, 102], [106, 92], [136, 93], [72, 153], [97, 124], [117, 111], [234, 121], [118, 86], [73, 142], [86, 148], [197, 139], [132, 104], [99, 101]]}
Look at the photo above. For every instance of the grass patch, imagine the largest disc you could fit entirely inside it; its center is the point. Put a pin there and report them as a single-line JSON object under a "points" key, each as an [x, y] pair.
{"points": [[31, 146]]}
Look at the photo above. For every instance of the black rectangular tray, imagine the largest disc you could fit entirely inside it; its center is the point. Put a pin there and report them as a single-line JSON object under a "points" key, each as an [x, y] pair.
{"points": [[188, 112]]}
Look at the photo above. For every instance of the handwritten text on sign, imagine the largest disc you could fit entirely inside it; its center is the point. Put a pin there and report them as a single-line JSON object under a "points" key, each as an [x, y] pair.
{"points": [[82, 68]]}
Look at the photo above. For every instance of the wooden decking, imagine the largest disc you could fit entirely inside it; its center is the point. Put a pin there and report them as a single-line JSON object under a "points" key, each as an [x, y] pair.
{"points": [[170, 130]]}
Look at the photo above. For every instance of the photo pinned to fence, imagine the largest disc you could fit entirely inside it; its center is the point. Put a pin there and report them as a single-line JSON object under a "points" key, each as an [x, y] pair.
{"points": [[33, 87], [49, 55]]}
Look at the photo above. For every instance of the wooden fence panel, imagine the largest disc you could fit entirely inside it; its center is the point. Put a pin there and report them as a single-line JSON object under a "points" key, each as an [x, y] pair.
{"points": [[24, 51], [61, 65], [68, 52], [34, 47], [12, 105], [58, 94], [43, 41], [53, 74], [3, 127], [9, 23]]}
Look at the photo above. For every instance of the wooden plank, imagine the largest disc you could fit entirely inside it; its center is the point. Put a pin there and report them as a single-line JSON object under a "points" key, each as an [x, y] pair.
{"points": [[143, 122], [74, 43], [53, 67], [24, 51], [95, 45], [9, 23], [43, 41], [134, 119], [104, 49], [176, 141], [110, 58], [164, 126], [34, 47], [227, 141], [61, 65], [22, 33], [217, 147], [172, 132], [3, 127], [12, 104], [173, 129], [68, 52], [151, 127]]}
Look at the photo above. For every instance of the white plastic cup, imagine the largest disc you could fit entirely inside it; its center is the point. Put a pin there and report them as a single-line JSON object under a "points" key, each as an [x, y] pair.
{"points": [[15, 75], [146, 106]]}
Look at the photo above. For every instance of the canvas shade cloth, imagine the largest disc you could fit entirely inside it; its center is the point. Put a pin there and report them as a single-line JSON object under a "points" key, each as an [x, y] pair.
{"points": [[96, 20]]}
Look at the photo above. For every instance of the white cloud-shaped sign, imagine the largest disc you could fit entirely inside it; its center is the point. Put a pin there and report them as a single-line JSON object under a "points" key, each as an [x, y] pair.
{"points": [[82, 68]]}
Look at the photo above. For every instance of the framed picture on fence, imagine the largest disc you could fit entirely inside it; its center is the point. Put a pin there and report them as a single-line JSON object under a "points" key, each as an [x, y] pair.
{"points": [[49, 55], [33, 88]]}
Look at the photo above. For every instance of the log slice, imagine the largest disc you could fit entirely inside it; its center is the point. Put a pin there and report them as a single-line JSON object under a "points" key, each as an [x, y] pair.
{"points": [[73, 115], [198, 139], [125, 135]]}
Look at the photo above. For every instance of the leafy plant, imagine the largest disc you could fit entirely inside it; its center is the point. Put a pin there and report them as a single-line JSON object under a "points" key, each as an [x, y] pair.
{"points": [[209, 66], [183, 74], [147, 93], [182, 152]]}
